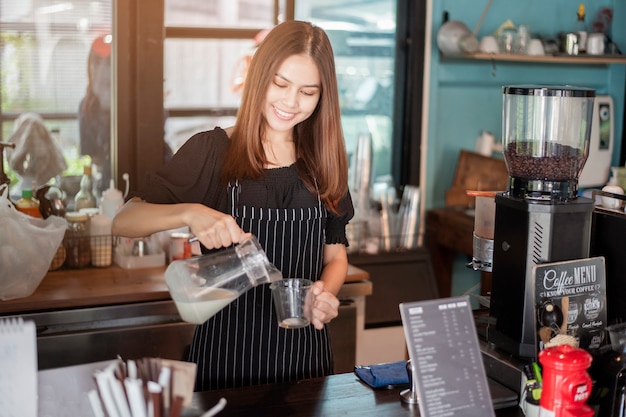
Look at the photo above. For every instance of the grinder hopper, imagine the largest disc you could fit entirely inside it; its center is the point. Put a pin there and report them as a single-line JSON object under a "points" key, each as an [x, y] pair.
{"points": [[539, 218], [545, 134]]}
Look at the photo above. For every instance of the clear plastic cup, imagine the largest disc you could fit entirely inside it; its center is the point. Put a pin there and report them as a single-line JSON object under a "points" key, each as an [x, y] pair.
{"points": [[292, 302]]}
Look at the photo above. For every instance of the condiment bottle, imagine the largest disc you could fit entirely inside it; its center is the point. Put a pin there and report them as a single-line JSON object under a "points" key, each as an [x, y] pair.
{"points": [[101, 240], [77, 240], [28, 204], [84, 197], [112, 201]]}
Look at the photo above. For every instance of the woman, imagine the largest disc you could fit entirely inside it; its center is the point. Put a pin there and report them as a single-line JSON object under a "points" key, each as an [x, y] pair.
{"points": [[94, 111], [279, 173]]}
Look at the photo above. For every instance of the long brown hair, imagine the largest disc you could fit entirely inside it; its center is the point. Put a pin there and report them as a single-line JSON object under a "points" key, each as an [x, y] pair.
{"points": [[320, 150], [99, 54]]}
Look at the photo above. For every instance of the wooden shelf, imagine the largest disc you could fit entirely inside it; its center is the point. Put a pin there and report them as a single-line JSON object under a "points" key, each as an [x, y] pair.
{"points": [[545, 59]]}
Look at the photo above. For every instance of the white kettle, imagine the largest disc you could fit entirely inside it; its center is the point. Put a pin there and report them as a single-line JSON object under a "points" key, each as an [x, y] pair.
{"points": [[455, 38]]}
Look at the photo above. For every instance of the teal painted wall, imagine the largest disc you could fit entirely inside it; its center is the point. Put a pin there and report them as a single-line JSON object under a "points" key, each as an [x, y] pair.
{"points": [[465, 96]]}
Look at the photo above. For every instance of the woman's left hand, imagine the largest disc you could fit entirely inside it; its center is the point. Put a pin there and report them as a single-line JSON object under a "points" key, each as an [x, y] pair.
{"points": [[325, 305]]}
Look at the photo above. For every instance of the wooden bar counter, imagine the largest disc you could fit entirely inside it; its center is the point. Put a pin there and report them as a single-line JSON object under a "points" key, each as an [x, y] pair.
{"points": [[89, 315], [336, 395], [93, 287], [64, 393]]}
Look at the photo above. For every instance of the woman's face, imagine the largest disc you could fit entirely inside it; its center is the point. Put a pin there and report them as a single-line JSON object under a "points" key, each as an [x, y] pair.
{"points": [[293, 94]]}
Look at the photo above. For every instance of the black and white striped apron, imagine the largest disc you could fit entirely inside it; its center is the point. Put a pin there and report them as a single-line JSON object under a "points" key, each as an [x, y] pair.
{"points": [[243, 345]]}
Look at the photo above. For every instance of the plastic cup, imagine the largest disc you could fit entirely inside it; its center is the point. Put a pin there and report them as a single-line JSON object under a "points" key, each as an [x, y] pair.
{"points": [[292, 302], [617, 333]]}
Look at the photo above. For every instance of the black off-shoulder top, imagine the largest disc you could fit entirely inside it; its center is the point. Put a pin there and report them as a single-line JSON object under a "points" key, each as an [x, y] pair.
{"points": [[193, 175]]}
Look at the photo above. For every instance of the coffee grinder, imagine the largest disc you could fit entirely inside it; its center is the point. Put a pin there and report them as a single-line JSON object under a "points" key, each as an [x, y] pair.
{"points": [[540, 217]]}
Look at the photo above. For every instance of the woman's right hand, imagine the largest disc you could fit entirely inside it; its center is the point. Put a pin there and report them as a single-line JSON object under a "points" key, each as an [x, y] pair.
{"points": [[213, 228]]}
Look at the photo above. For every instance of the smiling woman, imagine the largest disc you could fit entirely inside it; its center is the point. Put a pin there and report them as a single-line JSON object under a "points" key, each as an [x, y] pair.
{"points": [[280, 174]]}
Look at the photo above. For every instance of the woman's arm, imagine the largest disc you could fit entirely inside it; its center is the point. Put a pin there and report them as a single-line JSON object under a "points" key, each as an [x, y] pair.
{"points": [[214, 229], [335, 267], [326, 305]]}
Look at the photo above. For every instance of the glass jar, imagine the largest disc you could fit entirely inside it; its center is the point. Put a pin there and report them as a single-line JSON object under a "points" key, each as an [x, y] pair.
{"points": [[77, 240]]}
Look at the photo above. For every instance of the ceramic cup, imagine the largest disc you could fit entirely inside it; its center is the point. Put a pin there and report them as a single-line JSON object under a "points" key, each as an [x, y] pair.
{"points": [[489, 45], [535, 47], [595, 43]]}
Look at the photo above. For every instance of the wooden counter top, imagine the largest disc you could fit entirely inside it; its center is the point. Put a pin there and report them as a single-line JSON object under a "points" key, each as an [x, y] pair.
{"points": [[114, 285], [336, 395], [63, 393]]}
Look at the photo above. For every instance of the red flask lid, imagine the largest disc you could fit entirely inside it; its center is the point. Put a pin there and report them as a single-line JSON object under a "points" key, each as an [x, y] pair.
{"points": [[565, 358]]}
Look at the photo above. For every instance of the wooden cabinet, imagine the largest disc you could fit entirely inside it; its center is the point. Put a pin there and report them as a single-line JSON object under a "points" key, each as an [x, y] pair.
{"points": [[397, 277]]}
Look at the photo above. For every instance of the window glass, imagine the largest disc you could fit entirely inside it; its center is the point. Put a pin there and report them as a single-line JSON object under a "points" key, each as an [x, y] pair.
{"points": [[44, 51], [204, 73], [219, 13], [363, 39]]}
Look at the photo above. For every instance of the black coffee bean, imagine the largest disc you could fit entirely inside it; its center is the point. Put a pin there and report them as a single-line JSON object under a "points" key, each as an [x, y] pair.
{"points": [[556, 162]]}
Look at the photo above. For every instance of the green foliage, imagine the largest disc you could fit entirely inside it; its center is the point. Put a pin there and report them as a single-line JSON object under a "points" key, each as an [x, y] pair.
{"points": [[14, 92], [75, 165]]}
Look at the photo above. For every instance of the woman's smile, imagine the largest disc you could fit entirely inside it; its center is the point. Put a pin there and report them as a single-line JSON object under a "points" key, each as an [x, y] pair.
{"points": [[283, 114]]}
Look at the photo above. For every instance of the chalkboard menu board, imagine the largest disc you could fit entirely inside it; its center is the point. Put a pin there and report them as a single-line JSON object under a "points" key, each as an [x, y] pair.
{"points": [[578, 289], [443, 345]]}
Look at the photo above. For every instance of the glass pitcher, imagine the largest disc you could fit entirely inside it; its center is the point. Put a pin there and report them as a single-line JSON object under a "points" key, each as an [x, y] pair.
{"points": [[203, 285]]}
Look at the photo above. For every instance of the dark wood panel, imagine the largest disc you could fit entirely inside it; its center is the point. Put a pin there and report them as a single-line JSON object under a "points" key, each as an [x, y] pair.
{"points": [[449, 231], [397, 277]]}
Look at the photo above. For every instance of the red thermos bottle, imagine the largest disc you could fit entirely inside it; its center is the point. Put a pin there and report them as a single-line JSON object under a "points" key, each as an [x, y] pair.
{"points": [[566, 384]]}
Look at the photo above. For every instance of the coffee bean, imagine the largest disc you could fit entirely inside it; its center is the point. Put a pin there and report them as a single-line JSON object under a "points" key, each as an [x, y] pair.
{"points": [[556, 162]]}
